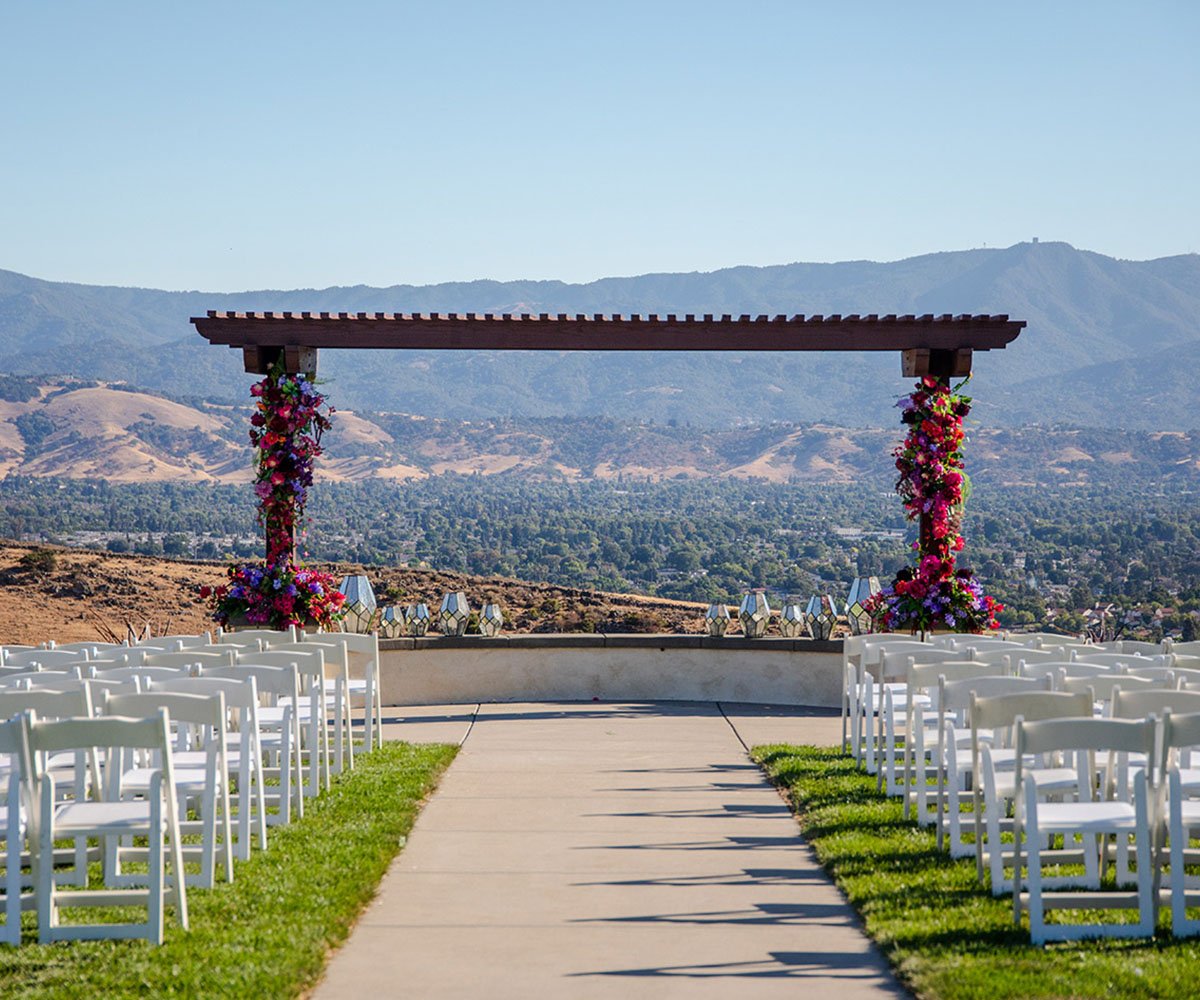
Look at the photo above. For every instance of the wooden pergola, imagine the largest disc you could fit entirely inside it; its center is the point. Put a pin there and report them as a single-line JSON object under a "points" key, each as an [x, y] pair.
{"points": [[942, 346]]}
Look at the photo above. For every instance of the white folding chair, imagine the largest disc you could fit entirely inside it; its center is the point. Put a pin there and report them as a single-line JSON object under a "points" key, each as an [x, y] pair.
{"points": [[1181, 733], [154, 817], [243, 752], [14, 814], [279, 734], [311, 715], [956, 778], [1088, 822], [993, 763], [200, 722], [362, 667]]}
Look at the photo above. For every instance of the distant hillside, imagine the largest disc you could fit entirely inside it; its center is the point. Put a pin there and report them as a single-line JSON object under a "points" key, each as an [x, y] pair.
{"points": [[88, 430], [1110, 343]]}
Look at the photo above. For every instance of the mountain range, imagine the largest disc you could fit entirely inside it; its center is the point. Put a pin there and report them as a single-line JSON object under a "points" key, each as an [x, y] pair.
{"points": [[1109, 344], [89, 430]]}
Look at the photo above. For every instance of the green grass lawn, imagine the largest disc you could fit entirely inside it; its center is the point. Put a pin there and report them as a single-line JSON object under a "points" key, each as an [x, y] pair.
{"points": [[269, 932], [945, 936]]}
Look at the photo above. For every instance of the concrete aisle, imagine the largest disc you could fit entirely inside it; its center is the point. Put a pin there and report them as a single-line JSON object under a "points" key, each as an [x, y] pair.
{"points": [[605, 850]]}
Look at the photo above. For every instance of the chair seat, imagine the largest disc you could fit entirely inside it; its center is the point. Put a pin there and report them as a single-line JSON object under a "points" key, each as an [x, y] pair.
{"points": [[188, 779], [1086, 817], [21, 826], [102, 817], [1049, 779]]}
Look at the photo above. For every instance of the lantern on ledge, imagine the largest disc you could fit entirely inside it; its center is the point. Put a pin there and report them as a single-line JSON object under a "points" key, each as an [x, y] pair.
{"points": [[391, 622], [717, 619], [417, 619], [793, 624], [860, 589], [820, 616], [754, 614], [454, 614], [360, 603], [491, 620]]}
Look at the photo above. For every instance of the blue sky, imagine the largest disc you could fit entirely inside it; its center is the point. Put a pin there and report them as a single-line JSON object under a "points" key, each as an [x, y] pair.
{"points": [[227, 146]]}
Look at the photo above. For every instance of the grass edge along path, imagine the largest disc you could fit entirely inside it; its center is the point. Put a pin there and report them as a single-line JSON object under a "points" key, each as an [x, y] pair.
{"points": [[945, 936], [268, 933]]}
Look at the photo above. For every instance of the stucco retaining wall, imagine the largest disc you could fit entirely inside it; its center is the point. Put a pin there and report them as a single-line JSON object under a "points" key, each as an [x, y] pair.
{"points": [[437, 670]]}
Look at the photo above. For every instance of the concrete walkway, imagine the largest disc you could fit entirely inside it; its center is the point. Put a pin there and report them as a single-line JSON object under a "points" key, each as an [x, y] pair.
{"points": [[607, 850]]}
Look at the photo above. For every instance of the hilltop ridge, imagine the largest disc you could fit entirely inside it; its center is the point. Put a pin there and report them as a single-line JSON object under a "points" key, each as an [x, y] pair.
{"points": [[1108, 335]]}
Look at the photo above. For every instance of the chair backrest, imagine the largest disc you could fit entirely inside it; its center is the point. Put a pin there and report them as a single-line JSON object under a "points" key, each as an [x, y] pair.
{"points": [[50, 736], [1183, 661], [955, 695], [308, 658], [47, 703], [182, 641], [270, 636], [1114, 659], [1181, 730], [925, 675], [46, 659], [1000, 657], [1160, 675], [278, 681], [361, 649], [91, 648], [1137, 704], [873, 652], [45, 678], [895, 663], [1118, 735], [1002, 710], [196, 709], [1138, 646], [1065, 668], [1102, 688], [190, 657], [142, 674], [1018, 656], [853, 645], [150, 646], [1186, 648]]}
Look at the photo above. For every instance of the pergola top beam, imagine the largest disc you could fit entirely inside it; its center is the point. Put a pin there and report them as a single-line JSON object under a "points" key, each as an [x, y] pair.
{"points": [[263, 335]]}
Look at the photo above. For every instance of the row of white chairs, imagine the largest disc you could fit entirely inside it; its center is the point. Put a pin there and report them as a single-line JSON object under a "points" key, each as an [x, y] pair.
{"points": [[957, 716], [238, 730]]}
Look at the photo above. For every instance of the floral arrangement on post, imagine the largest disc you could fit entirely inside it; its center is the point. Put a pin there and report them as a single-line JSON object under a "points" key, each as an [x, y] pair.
{"points": [[934, 488], [286, 430]]}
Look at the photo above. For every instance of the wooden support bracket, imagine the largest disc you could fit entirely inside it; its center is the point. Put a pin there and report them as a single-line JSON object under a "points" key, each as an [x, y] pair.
{"points": [[940, 363], [296, 360]]}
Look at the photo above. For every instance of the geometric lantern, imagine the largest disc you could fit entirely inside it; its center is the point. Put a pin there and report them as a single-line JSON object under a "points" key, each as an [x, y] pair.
{"points": [[360, 603], [454, 613], [860, 589], [716, 620], [792, 623], [491, 620], [820, 616], [416, 619], [754, 614], [391, 622]]}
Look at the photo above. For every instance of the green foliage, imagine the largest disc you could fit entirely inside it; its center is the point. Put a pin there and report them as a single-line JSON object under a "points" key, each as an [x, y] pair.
{"points": [[946, 937], [1036, 548], [270, 931], [40, 561], [34, 429]]}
